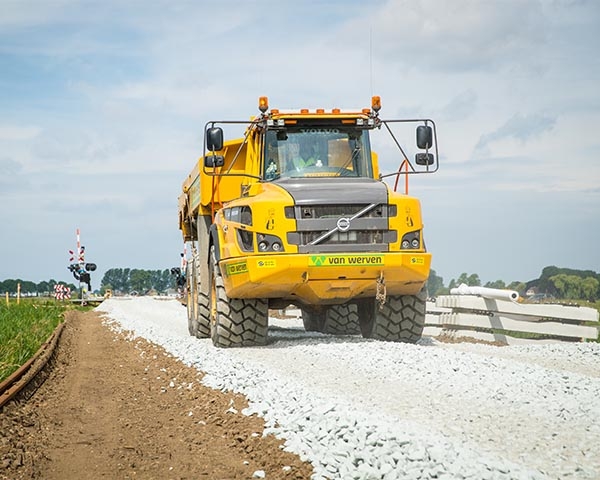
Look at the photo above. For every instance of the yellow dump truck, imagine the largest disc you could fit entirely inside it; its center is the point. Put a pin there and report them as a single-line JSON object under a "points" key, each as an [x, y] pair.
{"points": [[297, 212]]}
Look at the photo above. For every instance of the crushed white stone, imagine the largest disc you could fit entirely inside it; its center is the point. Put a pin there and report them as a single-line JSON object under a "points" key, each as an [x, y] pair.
{"points": [[362, 409]]}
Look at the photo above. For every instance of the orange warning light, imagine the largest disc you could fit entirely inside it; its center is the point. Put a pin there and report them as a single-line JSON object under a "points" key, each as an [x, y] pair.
{"points": [[263, 104], [376, 103]]}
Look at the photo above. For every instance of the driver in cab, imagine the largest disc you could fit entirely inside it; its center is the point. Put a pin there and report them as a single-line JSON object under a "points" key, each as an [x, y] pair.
{"points": [[306, 158]]}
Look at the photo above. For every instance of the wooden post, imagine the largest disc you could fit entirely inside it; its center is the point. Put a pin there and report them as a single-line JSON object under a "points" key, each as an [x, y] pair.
{"points": [[7, 299], [18, 293]]}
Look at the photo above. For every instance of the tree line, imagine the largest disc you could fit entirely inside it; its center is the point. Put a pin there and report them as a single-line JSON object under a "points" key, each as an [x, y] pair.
{"points": [[564, 283], [127, 280], [43, 288], [119, 280], [558, 282]]}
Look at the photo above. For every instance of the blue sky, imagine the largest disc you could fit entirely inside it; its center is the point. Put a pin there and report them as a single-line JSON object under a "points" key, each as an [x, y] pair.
{"points": [[103, 105]]}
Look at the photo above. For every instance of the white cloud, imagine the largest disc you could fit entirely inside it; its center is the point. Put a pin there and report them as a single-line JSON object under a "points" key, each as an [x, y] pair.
{"points": [[520, 127], [453, 36], [107, 102]]}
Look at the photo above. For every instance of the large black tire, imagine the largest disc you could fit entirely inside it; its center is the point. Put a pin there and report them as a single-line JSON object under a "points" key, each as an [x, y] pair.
{"points": [[202, 268], [342, 320], [197, 301], [203, 309], [191, 298], [335, 320], [235, 322], [400, 320], [313, 321]]}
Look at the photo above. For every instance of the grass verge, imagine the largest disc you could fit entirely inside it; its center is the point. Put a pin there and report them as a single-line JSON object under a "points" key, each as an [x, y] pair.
{"points": [[23, 330]]}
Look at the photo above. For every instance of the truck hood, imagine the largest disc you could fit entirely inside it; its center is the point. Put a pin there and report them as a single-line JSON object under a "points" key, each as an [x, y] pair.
{"points": [[307, 191]]}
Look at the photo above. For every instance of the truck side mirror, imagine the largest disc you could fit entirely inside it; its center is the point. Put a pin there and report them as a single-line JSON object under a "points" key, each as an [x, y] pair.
{"points": [[424, 159], [424, 136], [214, 139], [212, 161]]}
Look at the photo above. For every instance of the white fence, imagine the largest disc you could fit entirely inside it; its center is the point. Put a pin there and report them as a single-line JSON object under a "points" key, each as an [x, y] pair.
{"points": [[496, 320]]}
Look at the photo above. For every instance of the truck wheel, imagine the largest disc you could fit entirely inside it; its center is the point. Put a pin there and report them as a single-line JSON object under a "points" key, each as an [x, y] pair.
{"points": [[400, 320], [336, 320], [342, 320], [234, 322], [313, 322], [203, 309], [203, 276], [203, 330], [197, 302], [192, 298]]}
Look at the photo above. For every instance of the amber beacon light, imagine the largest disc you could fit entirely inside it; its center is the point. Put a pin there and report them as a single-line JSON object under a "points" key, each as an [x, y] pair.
{"points": [[376, 103], [263, 104]]}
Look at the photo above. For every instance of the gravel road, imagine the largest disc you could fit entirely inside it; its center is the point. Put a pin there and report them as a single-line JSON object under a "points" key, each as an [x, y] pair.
{"points": [[363, 409]]}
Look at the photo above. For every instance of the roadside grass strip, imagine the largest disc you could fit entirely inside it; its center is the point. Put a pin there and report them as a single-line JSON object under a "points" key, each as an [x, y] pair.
{"points": [[24, 328]]}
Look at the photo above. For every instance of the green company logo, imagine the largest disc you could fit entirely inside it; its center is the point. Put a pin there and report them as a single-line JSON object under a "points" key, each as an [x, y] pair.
{"points": [[346, 260], [317, 261]]}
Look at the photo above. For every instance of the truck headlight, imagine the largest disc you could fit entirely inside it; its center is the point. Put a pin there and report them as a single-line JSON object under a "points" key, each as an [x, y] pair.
{"points": [[269, 243], [411, 240]]}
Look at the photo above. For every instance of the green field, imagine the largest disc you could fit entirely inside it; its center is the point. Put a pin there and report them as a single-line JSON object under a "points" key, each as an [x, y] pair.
{"points": [[24, 327]]}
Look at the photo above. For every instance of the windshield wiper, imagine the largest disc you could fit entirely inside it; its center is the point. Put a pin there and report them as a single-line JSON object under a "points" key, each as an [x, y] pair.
{"points": [[353, 155]]}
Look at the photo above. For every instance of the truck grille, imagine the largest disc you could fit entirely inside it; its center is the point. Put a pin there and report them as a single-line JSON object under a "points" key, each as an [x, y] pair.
{"points": [[368, 232], [337, 211]]}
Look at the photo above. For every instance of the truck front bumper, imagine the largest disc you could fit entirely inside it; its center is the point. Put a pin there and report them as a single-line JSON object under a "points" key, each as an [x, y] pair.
{"points": [[324, 279]]}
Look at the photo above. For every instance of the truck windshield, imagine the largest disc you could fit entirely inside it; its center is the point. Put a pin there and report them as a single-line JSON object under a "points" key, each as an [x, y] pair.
{"points": [[317, 151]]}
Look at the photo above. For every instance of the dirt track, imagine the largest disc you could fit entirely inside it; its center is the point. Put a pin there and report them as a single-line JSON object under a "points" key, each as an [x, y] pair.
{"points": [[114, 408]]}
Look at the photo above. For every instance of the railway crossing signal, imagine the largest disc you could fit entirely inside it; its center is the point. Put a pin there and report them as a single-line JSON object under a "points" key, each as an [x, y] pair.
{"points": [[80, 269]]}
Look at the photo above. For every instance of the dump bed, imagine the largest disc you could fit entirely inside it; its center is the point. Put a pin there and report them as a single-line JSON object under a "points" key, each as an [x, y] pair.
{"points": [[203, 194]]}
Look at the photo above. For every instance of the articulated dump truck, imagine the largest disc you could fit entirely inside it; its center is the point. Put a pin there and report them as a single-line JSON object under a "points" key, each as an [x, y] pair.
{"points": [[297, 212]]}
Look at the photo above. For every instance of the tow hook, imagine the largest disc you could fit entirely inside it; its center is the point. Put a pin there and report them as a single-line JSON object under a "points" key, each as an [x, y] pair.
{"points": [[381, 291]]}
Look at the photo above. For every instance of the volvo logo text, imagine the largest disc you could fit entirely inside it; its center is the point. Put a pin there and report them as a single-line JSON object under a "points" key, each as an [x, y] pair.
{"points": [[343, 224]]}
